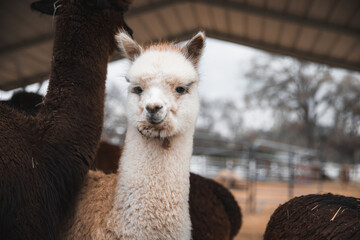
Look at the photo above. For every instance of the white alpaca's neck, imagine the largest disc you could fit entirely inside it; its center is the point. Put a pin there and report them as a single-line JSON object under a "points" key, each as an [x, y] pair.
{"points": [[153, 187]]}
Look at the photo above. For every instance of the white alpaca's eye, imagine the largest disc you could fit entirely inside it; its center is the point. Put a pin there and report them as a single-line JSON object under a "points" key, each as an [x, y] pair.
{"points": [[182, 90], [137, 90]]}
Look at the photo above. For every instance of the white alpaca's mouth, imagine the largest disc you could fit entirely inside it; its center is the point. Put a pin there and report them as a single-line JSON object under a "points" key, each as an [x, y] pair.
{"points": [[155, 118], [155, 129]]}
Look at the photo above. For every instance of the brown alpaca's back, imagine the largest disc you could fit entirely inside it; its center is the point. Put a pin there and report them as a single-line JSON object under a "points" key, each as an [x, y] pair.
{"points": [[94, 202], [107, 157]]}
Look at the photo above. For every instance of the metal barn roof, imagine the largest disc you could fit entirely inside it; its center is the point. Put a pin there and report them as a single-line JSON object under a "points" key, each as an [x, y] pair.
{"points": [[323, 31]]}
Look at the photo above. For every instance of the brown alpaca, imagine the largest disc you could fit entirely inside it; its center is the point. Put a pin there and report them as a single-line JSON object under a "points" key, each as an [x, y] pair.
{"points": [[316, 217], [107, 157], [26, 102], [44, 158]]}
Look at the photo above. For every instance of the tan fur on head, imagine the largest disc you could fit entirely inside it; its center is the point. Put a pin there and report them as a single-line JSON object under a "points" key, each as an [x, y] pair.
{"points": [[192, 50]]}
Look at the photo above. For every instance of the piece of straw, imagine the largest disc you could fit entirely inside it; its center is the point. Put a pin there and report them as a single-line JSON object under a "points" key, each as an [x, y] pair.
{"points": [[335, 214]]}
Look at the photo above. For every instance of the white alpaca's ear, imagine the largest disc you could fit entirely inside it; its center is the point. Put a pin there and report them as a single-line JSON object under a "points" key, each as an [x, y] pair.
{"points": [[193, 49], [130, 48]]}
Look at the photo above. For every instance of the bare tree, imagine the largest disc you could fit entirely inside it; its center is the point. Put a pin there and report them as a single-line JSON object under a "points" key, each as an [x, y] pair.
{"points": [[206, 118], [290, 86], [346, 104], [223, 117], [345, 101]]}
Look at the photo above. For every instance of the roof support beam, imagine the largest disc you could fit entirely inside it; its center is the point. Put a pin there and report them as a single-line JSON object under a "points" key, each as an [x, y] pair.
{"points": [[245, 8], [274, 48], [27, 43], [22, 82], [285, 51]]}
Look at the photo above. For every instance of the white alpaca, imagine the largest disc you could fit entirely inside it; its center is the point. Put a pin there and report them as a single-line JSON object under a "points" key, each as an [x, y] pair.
{"points": [[150, 198]]}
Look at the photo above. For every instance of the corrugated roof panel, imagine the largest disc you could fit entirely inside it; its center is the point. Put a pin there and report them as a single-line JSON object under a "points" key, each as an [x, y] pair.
{"points": [[20, 67], [32, 62], [28, 61], [163, 22], [203, 11], [257, 3], [45, 24], [278, 5], [11, 29], [220, 16], [255, 23], [138, 3], [187, 17], [168, 17], [237, 23], [342, 47], [344, 11], [45, 51], [5, 73], [288, 34], [8, 67], [355, 21], [299, 8], [241, 1], [14, 15], [33, 66], [324, 41], [142, 34], [354, 55], [38, 61], [154, 24], [271, 30], [306, 38], [321, 9]]}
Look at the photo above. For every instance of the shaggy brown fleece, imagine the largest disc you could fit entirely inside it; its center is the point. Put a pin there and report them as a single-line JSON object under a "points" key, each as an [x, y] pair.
{"points": [[97, 198], [215, 215], [44, 158], [316, 217], [26, 102], [107, 157]]}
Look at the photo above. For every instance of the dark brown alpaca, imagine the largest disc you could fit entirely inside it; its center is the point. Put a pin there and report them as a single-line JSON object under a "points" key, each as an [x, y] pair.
{"points": [[214, 213], [316, 217], [26, 102], [43, 158], [107, 157]]}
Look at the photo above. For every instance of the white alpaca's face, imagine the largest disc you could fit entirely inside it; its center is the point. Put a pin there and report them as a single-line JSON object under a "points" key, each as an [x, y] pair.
{"points": [[163, 98]]}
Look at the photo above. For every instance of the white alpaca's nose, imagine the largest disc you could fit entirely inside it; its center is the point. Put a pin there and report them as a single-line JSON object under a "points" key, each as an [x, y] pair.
{"points": [[153, 108], [154, 114]]}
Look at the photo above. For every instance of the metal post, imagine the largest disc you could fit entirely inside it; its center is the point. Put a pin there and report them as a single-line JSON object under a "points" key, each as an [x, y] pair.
{"points": [[321, 170], [248, 184], [252, 176], [291, 175]]}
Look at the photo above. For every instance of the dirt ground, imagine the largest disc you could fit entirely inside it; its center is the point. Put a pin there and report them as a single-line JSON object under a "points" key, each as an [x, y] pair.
{"points": [[270, 195]]}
